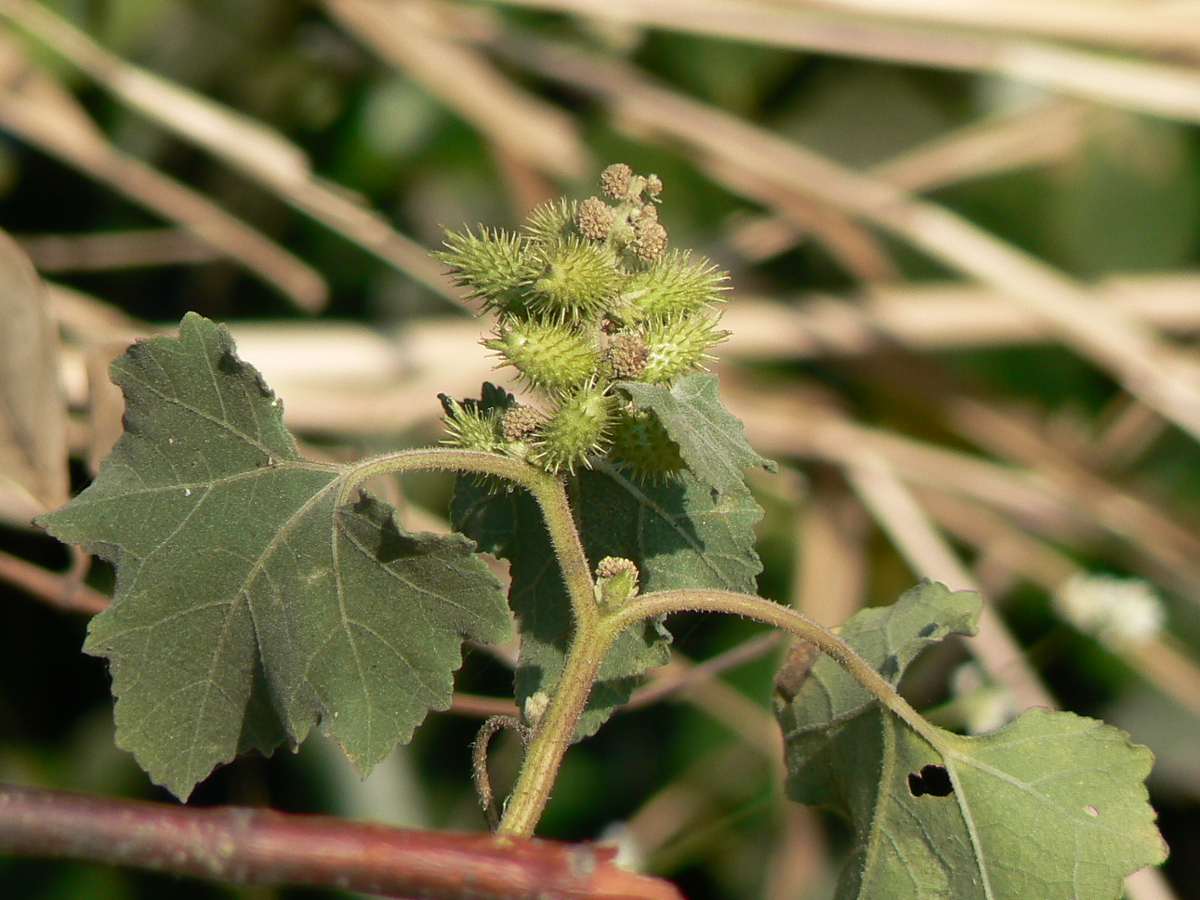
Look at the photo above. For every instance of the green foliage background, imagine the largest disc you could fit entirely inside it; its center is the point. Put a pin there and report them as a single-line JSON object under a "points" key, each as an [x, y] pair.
{"points": [[1121, 196]]}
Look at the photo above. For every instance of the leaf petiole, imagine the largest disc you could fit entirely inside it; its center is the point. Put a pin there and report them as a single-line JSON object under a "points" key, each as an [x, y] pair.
{"points": [[770, 613]]}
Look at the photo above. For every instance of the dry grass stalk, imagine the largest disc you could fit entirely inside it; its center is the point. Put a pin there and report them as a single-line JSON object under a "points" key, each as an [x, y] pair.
{"points": [[103, 250], [244, 143], [1035, 134], [1164, 89], [38, 110], [1160, 660], [467, 82], [1135, 26]]}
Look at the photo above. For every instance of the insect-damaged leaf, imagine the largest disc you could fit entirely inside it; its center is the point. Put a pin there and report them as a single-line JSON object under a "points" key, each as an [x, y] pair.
{"points": [[250, 605], [1052, 806], [676, 532], [710, 438]]}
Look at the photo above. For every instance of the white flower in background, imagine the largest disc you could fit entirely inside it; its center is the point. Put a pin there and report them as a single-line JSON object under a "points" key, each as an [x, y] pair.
{"points": [[983, 705], [1116, 611]]}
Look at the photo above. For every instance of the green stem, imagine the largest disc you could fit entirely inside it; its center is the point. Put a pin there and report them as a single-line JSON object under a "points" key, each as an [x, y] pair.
{"points": [[553, 732], [665, 602]]}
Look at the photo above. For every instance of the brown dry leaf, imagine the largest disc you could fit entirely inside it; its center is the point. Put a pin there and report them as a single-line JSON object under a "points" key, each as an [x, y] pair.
{"points": [[33, 414]]}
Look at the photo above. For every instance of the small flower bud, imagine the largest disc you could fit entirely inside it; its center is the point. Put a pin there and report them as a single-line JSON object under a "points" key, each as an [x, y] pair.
{"points": [[649, 240], [519, 422], [616, 582], [595, 218], [625, 356], [535, 707], [616, 181]]}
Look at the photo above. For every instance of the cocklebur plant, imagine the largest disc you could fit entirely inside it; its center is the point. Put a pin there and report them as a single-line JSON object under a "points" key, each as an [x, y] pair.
{"points": [[260, 594]]}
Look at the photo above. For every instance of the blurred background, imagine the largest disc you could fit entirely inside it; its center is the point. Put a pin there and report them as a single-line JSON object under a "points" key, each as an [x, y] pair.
{"points": [[962, 242]]}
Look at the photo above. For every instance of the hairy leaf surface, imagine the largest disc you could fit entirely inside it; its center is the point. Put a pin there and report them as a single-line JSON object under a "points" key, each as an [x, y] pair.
{"points": [[675, 532], [1051, 807], [250, 605], [710, 438]]}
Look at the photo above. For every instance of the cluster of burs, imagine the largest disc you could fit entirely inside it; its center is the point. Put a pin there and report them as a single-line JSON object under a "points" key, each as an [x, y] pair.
{"points": [[587, 296]]}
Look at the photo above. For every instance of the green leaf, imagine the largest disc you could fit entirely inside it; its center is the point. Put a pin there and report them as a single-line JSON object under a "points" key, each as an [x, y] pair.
{"points": [[1051, 806], [710, 438], [676, 532], [250, 605]]}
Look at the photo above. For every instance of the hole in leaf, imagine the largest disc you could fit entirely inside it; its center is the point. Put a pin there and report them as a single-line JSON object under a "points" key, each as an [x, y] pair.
{"points": [[229, 363], [890, 667], [932, 780]]}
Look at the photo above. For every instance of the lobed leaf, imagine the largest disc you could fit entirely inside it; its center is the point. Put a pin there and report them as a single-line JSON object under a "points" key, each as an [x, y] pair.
{"points": [[249, 604], [1050, 807], [710, 438], [677, 533]]}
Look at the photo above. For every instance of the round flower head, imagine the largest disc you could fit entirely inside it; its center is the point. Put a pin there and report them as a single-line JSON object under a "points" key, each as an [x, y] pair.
{"points": [[671, 285], [626, 356], [588, 296], [616, 181], [493, 266], [520, 422], [550, 222], [642, 448], [649, 240], [678, 344], [595, 218]]}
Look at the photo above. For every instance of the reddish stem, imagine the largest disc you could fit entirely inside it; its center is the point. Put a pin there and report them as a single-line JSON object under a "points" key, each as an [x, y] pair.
{"points": [[239, 845], [66, 591]]}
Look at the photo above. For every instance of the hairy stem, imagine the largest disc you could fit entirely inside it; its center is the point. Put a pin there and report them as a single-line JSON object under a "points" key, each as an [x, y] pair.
{"points": [[664, 602], [552, 733]]}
